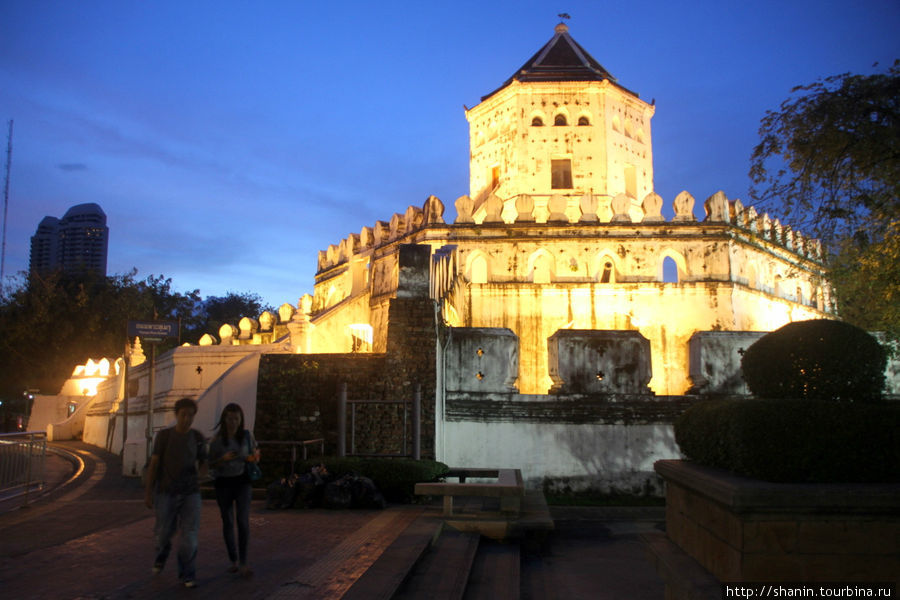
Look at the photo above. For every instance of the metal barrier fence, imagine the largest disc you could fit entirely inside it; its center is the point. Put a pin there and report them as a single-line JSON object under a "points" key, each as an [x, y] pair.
{"points": [[22, 464], [416, 406], [304, 446]]}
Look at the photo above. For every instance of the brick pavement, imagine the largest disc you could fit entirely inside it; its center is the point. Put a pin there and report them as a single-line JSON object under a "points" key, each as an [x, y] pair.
{"points": [[93, 539]]}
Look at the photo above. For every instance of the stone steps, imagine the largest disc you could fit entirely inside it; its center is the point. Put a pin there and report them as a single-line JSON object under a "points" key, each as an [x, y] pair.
{"points": [[496, 572], [382, 580], [443, 572], [434, 558]]}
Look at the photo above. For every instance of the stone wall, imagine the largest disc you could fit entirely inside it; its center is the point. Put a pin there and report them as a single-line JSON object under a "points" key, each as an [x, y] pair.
{"points": [[297, 394]]}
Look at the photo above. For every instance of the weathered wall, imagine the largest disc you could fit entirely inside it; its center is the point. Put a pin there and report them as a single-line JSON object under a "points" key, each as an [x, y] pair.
{"points": [[565, 443], [586, 361], [667, 314], [716, 361], [736, 270]]}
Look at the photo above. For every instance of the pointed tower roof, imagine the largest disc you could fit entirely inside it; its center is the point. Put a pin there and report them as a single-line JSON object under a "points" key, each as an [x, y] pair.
{"points": [[561, 59]]}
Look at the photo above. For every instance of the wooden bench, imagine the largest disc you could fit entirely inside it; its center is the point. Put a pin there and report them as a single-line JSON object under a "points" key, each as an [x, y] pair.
{"points": [[508, 488]]}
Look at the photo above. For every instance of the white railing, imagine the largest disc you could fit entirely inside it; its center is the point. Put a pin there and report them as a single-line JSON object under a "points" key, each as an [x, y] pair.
{"points": [[22, 464]]}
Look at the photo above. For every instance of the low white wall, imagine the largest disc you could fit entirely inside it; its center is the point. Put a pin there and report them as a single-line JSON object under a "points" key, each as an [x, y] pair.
{"points": [[235, 382], [600, 458], [237, 385], [46, 410]]}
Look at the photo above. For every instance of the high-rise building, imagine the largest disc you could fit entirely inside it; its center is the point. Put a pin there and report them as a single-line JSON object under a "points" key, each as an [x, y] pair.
{"points": [[45, 247], [77, 243]]}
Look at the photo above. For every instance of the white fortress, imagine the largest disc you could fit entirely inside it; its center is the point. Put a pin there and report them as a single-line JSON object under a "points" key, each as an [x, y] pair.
{"points": [[562, 229], [570, 316]]}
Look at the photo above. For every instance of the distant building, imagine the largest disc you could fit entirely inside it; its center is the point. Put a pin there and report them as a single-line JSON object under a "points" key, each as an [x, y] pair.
{"points": [[77, 243], [45, 247]]}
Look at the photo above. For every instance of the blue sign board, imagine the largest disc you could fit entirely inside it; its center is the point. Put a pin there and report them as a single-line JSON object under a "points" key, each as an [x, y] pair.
{"points": [[153, 331]]}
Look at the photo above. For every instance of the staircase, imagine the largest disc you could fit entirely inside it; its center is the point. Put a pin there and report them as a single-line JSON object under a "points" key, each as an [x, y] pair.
{"points": [[459, 557]]}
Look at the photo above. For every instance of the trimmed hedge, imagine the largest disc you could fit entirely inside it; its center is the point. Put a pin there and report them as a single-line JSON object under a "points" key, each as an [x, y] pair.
{"points": [[395, 478], [795, 440], [820, 359]]}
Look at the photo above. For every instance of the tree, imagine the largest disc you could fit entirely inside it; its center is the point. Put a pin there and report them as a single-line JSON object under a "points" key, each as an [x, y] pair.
{"points": [[828, 162], [54, 322], [215, 311]]}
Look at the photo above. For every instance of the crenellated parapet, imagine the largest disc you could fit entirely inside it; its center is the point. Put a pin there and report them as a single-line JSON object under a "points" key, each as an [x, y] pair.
{"points": [[592, 209], [266, 328], [383, 233], [586, 209]]}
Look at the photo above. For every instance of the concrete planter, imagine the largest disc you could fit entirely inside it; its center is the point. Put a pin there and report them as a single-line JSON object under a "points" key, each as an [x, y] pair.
{"points": [[740, 529]]}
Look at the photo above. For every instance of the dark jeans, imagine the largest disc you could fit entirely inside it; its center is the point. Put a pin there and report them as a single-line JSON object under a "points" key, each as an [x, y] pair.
{"points": [[234, 492], [174, 511]]}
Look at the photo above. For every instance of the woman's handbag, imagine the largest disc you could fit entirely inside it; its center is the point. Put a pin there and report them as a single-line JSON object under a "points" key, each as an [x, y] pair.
{"points": [[253, 470]]}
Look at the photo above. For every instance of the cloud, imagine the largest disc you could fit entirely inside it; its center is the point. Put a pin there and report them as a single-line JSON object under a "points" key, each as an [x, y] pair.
{"points": [[72, 167]]}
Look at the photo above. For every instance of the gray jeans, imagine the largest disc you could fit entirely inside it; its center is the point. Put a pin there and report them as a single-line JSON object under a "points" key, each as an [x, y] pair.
{"points": [[173, 510]]}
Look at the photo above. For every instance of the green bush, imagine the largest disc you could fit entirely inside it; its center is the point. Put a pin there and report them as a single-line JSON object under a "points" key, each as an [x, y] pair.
{"points": [[820, 359], [395, 478], [795, 440]]}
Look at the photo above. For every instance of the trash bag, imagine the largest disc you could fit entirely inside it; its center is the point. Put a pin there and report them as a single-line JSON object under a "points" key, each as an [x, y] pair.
{"points": [[339, 493], [310, 490], [282, 493], [365, 494]]}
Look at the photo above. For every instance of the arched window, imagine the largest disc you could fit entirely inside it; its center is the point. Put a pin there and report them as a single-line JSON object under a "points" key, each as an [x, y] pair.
{"points": [[537, 122], [672, 267], [560, 120], [670, 270], [583, 120], [607, 272]]}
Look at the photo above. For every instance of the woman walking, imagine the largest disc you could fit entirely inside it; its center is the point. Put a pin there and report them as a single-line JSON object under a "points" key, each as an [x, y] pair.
{"points": [[231, 450]]}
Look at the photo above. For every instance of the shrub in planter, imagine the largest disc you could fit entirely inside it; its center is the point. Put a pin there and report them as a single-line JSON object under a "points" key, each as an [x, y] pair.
{"points": [[821, 359], [794, 440], [396, 478]]}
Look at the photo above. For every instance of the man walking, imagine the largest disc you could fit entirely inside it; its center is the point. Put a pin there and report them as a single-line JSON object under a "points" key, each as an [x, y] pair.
{"points": [[178, 460]]}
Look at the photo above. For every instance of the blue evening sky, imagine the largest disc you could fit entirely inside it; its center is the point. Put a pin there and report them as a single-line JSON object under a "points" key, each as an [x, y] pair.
{"points": [[228, 142]]}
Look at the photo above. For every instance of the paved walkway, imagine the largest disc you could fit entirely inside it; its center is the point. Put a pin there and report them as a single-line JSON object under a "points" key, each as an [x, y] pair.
{"points": [[92, 539]]}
